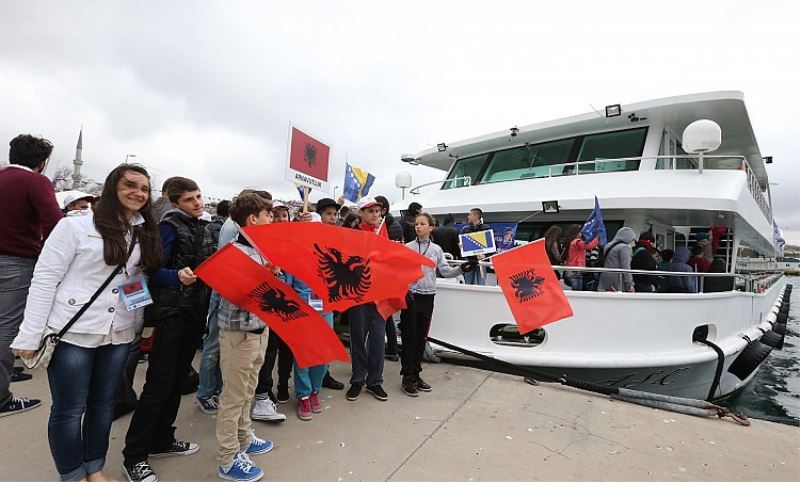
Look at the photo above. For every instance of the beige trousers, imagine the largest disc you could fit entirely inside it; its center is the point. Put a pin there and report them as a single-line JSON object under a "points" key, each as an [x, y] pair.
{"points": [[241, 355]]}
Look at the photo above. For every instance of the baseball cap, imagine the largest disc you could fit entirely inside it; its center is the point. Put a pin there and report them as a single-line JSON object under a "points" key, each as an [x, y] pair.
{"points": [[367, 202], [326, 202], [75, 196], [279, 205]]}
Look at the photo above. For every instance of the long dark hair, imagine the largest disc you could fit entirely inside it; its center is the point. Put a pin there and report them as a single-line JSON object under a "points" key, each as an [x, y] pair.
{"points": [[112, 224]]}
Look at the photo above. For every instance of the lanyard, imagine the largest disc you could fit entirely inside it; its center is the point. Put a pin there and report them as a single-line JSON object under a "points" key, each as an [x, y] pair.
{"points": [[419, 247]]}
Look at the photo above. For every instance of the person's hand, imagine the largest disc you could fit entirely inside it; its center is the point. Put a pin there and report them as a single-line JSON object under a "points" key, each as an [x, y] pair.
{"points": [[480, 256], [630, 290], [340, 201], [306, 217], [469, 266], [24, 353], [274, 269], [186, 276]]}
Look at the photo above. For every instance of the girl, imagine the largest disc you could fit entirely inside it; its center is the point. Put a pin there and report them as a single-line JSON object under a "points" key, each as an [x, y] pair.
{"points": [[552, 247], [80, 254], [576, 255], [415, 321]]}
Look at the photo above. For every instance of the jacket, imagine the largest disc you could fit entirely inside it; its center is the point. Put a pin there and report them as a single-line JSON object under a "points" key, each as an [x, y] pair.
{"points": [[617, 254], [681, 284], [427, 284], [69, 271], [576, 253], [447, 238], [643, 260], [393, 229], [233, 318]]}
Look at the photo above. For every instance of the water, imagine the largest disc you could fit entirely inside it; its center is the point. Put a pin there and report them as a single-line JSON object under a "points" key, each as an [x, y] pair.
{"points": [[774, 393]]}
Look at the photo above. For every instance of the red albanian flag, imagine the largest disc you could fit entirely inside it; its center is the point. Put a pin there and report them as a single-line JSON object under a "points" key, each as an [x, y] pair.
{"points": [[391, 306], [344, 267], [530, 286], [252, 287], [308, 155]]}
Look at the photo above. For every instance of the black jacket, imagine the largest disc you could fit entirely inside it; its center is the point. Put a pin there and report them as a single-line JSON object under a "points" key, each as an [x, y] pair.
{"points": [[407, 223], [393, 228], [643, 260], [447, 237]]}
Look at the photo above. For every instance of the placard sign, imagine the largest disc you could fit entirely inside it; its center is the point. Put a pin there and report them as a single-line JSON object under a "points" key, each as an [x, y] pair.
{"points": [[308, 160], [481, 242]]}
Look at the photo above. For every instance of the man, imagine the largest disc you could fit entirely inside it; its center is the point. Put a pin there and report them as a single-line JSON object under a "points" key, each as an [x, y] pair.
{"points": [[395, 232], [407, 221], [218, 220], [367, 327], [163, 204], [77, 201], [475, 225], [446, 237], [328, 210], [30, 211], [180, 303]]}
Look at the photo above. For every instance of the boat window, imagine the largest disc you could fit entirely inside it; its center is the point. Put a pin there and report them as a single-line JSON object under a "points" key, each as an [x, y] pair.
{"points": [[529, 161], [469, 166], [612, 145]]}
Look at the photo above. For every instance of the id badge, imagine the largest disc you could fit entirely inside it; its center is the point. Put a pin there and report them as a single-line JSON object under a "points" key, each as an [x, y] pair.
{"points": [[315, 302], [135, 294]]}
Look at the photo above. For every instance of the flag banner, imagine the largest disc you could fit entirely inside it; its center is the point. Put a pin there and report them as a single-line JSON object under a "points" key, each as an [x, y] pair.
{"points": [[481, 242], [595, 226], [309, 159], [530, 286], [345, 267], [356, 183], [505, 235], [247, 284], [302, 190], [391, 306]]}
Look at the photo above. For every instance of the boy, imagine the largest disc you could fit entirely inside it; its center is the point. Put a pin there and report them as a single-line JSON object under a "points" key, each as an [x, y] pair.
{"points": [[243, 342], [180, 304], [367, 328]]}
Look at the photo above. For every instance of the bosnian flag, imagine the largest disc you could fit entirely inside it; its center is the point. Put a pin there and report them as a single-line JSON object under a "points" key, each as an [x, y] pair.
{"points": [[595, 227]]}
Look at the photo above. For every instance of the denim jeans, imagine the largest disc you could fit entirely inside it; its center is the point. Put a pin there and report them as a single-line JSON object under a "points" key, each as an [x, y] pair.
{"points": [[576, 282], [309, 379], [210, 376], [83, 383], [475, 277], [367, 341], [15, 279]]}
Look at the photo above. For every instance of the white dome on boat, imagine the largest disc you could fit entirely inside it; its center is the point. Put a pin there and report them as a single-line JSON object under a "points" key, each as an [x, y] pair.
{"points": [[702, 135], [402, 179]]}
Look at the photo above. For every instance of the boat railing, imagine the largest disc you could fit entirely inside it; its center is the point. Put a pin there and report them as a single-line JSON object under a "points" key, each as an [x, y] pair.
{"points": [[467, 181], [750, 283]]}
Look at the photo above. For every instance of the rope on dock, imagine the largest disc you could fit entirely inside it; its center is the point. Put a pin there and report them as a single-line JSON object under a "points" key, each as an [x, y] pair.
{"points": [[688, 406]]}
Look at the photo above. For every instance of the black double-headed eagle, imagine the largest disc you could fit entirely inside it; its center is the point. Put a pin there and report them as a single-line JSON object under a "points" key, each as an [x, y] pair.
{"points": [[527, 285], [345, 279], [273, 301]]}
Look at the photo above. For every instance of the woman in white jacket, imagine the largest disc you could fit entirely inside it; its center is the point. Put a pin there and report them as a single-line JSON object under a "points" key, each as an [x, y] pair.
{"points": [[415, 320], [80, 254]]}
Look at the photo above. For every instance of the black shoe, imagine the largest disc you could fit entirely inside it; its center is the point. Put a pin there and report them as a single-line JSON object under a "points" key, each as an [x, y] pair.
{"points": [[19, 376], [377, 392], [283, 394], [332, 383], [409, 386], [19, 405], [423, 387], [178, 447], [392, 357], [140, 472], [353, 392]]}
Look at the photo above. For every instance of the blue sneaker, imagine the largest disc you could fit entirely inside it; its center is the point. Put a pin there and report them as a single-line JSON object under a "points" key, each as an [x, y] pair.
{"points": [[258, 446], [241, 470], [209, 405]]}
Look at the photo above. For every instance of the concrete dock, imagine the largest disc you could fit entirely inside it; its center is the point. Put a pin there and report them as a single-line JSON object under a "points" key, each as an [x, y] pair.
{"points": [[475, 425]]}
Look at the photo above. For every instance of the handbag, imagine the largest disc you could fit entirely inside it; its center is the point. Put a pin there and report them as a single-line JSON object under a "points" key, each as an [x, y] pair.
{"points": [[41, 359]]}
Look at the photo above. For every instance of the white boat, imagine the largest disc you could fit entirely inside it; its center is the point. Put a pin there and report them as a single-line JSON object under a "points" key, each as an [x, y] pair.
{"points": [[632, 159]]}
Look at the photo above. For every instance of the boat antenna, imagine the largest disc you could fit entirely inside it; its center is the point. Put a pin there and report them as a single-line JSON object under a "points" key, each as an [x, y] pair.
{"points": [[530, 215], [599, 114]]}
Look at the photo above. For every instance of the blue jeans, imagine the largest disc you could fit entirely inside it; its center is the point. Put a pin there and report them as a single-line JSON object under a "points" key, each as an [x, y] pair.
{"points": [[210, 376], [309, 379], [367, 343], [15, 279], [576, 282], [83, 383], [475, 277]]}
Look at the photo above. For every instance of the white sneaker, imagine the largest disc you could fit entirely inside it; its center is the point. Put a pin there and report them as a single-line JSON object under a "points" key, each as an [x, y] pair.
{"points": [[265, 410]]}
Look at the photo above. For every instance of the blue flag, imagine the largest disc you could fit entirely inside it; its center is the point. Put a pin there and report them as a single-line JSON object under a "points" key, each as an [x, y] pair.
{"points": [[595, 226], [356, 183], [302, 190]]}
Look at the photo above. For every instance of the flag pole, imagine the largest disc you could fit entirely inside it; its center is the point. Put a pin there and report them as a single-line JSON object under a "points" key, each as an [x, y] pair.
{"points": [[306, 190]]}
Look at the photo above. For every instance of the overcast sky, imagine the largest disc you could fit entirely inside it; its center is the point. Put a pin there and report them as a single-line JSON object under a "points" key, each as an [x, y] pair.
{"points": [[207, 89]]}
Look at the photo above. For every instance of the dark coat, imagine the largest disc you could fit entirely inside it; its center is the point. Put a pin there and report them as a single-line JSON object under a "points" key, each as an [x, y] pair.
{"points": [[447, 238]]}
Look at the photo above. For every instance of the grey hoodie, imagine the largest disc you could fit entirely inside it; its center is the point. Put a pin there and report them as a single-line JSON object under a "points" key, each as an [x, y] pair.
{"points": [[681, 284], [618, 256], [427, 284]]}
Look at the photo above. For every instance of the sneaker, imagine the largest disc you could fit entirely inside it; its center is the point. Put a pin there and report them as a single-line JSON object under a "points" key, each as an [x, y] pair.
{"points": [[178, 447], [353, 392], [17, 375], [423, 387], [259, 446], [19, 405], [242, 469], [283, 395], [378, 392], [304, 409], [392, 357], [316, 407], [140, 472], [208, 405], [409, 386], [266, 410], [332, 383]]}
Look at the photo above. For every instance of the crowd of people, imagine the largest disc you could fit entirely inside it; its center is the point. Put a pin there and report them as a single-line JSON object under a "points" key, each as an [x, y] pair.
{"points": [[72, 266]]}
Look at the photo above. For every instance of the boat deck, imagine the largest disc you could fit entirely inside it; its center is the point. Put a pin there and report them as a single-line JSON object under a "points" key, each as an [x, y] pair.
{"points": [[474, 425]]}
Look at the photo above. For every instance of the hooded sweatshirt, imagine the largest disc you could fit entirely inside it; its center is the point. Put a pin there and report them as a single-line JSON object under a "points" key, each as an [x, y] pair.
{"points": [[617, 255], [427, 284], [681, 284]]}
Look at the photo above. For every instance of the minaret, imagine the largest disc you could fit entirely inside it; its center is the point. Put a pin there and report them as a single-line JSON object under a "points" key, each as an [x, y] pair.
{"points": [[76, 172]]}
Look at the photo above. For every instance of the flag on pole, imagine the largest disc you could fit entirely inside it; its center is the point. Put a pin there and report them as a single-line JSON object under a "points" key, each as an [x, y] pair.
{"points": [[301, 189], [356, 183], [344, 267], [249, 285], [594, 226], [530, 286]]}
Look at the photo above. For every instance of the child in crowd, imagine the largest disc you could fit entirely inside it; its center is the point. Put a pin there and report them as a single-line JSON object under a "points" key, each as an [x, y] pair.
{"points": [[415, 321], [243, 342]]}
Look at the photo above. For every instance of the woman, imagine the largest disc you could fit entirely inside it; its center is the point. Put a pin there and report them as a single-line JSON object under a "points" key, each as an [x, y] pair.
{"points": [[552, 247], [77, 258], [617, 255], [575, 255]]}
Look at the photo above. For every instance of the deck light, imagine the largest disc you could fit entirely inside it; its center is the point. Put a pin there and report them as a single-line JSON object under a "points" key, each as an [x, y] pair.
{"points": [[550, 207], [514, 131], [613, 110], [410, 159], [441, 147], [767, 160]]}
